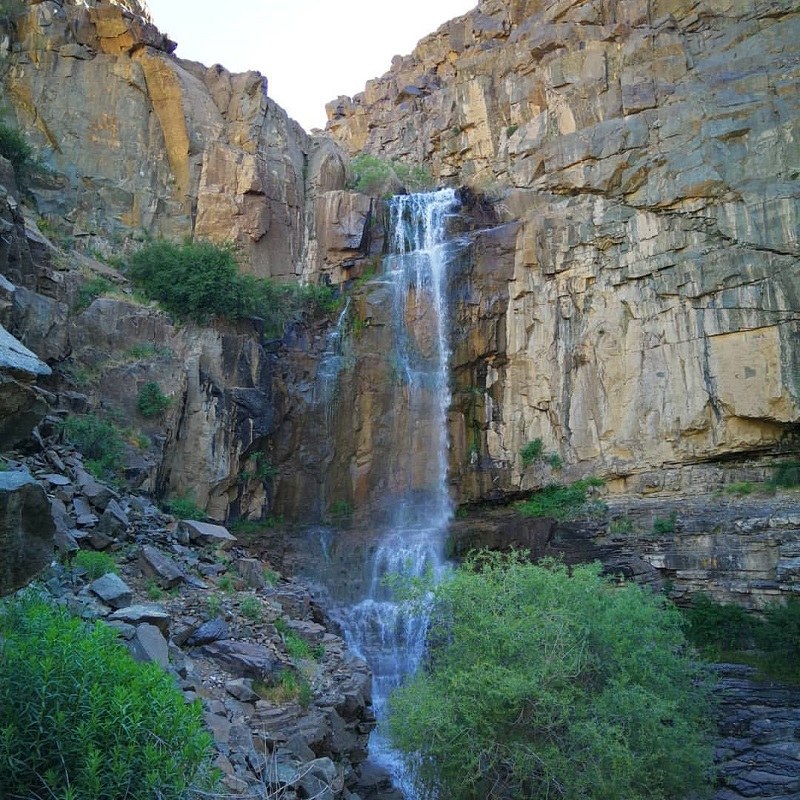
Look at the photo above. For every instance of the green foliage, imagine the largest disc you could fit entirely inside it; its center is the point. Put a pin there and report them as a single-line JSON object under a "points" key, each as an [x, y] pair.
{"points": [[80, 719], [146, 352], [16, 149], [787, 475], [95, 563], [531, 451], [251, 609], [151, 401], [289, 687], [663, 525], [340, 509], [376, 176], [185, 507], [10, 9], [559, 502], [726, 631], [621, 525], [297, 647], [100, 441], [214, 605], [91, 288], [200, 280], [225, 583], [555, 461], [542, 682], [271, 577], [740, 488]]}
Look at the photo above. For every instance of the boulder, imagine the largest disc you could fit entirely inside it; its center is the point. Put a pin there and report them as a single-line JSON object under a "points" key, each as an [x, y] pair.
{"points": [[243, 659], [26, 530], [154, 564], [112, 590], [206, 533]]}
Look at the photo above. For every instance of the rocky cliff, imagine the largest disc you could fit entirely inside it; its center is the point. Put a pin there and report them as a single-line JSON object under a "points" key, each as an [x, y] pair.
{"points": [[138, 141], [636, 307]]}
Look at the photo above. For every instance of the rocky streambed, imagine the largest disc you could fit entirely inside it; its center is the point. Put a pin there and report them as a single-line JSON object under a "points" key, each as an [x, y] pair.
{"points": [[289, 706]]}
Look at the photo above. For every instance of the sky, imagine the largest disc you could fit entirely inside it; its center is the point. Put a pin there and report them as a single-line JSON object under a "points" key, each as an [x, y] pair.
{"points": [[311, 51]]}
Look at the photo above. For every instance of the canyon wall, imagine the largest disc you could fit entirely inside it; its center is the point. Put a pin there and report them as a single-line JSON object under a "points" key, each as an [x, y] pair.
{"points": [[636, 306]]}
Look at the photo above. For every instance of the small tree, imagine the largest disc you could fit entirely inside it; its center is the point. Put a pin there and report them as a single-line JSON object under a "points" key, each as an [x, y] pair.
{"points": [[544, 683]]}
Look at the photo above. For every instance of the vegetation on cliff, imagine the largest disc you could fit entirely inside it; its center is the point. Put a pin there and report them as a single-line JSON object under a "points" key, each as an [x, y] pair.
{"points": [[81, 720], [201, 280], [543, 682]]}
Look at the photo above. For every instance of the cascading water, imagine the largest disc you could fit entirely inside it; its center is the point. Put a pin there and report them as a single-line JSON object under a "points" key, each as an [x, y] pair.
{"points": [[385, 633], [333, 359]]}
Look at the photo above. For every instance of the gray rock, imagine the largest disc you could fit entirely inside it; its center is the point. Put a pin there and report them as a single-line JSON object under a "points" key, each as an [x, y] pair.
{"points": [[138, 614], [252, 572], [154, 564], [148, 644], [242, 689], [16, 358], [26, 530], [244, 659], [208, 632], [112, 590], [205, 533]]}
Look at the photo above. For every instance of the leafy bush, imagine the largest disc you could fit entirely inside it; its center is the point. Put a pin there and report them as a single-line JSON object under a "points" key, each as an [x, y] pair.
{"points": [[740, 488], [200, 280], [100, 442], [91, 288], [151, 401], [16, 149], [544, 683], [531, 451], [287, 688], [559, 502], [81, 720], [95, 563], [663, 525], [184, 507], [787, 475], [251, 609], [376, 176], [770, 642]]}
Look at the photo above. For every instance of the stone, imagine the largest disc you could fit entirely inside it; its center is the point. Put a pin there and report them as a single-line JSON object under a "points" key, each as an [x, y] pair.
{"points": [[241, 689], [26, 530], [243, 659], [206, 533], [112, 590], [208, 632], [149, 644], [157, 565], [140, 614], [251, 571]]}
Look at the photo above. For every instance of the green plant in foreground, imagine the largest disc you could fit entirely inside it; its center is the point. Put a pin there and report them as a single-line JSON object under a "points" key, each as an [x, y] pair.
{"points": [[542, 682], [81, 720], [558, 502], [95, 563], [740, 488], [151, 401]]}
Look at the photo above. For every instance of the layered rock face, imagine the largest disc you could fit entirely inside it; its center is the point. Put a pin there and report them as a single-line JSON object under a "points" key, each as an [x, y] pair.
{"points": [[138, 140], [640, 155]]}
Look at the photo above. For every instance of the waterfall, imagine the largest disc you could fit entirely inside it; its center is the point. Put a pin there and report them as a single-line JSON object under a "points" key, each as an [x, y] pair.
{"points": [[333, 359], [386, 634]]}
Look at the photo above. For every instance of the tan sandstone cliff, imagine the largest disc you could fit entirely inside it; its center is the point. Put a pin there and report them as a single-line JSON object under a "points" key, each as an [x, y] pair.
{"points": [[645, 157]]}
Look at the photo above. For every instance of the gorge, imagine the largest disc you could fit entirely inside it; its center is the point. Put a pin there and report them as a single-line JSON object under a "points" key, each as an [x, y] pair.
{"points": [[617, 184]]}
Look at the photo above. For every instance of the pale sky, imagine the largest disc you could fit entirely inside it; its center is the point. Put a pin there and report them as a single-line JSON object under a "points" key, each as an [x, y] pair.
{"points": [[311, 51]]}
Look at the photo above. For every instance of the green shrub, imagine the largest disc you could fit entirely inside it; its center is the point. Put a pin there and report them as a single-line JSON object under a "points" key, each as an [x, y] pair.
{"points": [[621, 525], [558, 502], [287, 688], [740, 488], [16, 149], [786, 475], [95, 563], [151, 401], [377, 176], [251, 609], [663, 525], [531, 451], [184, 507], [555, 461], [200, 280], [81, 720], [542, 682], [100, 442], [89, 289], [716, 627], [778, 636]]}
